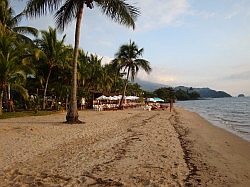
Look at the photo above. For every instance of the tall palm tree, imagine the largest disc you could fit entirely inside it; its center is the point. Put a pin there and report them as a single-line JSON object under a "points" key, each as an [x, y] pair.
{"points": [[127, 58], [118, 10], [53, 53], [9, 22]]}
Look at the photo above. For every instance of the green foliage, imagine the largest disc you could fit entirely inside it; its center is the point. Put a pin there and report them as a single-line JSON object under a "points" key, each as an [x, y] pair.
{"points": [[165, 93], [182, 95], [35, 103], [134, 89], [147, 94], [169, 93], [9, 23], [128, 60], [24, 113]]}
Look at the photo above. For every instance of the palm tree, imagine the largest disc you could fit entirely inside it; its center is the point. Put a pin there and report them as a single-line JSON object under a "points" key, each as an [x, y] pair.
{"points": [[118, 10], [127, 58], [12, 66], [90, 70], [9, 22], [114, 71], [53, 54]]}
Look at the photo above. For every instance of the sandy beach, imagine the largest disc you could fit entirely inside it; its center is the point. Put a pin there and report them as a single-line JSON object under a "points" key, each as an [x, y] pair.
{"points": [[132, 147]]}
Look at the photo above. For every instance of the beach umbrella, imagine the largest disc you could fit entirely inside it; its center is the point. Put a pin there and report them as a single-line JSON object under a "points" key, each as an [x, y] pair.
{"points": [[157, 99], [112, 98], [120, 96], [150, 100], [132, 98], [128, 98], [102, 97]]}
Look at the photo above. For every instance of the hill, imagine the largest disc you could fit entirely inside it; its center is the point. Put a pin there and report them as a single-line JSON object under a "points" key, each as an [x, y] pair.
{"points": [[149, 86], [204, 92]]}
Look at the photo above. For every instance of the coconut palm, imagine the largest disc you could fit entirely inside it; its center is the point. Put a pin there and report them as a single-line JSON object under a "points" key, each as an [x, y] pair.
{"points": [[107, 79], [127, 58], [66, 11], [12, 66], [9, 22], [90, 71], [53, 53], [114, 71]]}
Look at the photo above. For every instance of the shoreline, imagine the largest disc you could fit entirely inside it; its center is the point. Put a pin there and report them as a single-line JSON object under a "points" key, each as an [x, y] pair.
{"points": [[230, 114], [122, 148], [215, 156]]}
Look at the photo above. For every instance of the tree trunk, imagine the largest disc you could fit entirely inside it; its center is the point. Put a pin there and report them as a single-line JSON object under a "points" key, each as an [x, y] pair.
{"points": [[45, 89], [124, 90], [1, 102], [72, 114], [8, 98]]}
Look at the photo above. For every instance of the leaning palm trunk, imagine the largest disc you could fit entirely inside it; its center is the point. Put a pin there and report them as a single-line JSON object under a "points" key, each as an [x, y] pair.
{"points": [[72, 114], [124, 90]]}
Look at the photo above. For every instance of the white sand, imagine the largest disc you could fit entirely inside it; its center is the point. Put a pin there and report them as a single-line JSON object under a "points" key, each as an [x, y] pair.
{"points": [[121, 148]]}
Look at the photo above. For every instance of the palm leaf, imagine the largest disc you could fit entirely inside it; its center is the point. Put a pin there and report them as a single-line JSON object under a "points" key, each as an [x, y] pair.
{"points": [[41, 7], [66, 13], [26, 30], [119, 11]]}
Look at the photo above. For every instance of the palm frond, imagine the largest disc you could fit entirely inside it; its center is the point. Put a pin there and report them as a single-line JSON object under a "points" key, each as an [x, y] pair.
{"points": [[119, 11], [66, 13], [23, 91], [26, 30], [16, 19], [41, 7]]}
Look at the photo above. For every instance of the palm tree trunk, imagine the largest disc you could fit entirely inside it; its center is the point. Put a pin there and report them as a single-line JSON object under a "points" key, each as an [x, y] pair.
{"points": [[124, 90], [45, 89], [1, 102], [1, 97], [9, 91], [72, 114]]}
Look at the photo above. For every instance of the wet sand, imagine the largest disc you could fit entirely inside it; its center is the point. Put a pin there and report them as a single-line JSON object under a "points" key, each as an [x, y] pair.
{"points": [[132, 147]]}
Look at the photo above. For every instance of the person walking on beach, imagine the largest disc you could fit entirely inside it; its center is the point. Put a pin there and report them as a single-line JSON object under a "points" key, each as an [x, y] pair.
{"points": [[171, 104], [11, 106], [82, 103]]}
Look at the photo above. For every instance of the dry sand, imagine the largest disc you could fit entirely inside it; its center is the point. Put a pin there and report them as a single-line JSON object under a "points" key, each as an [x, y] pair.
{"points": [[132, 147]]}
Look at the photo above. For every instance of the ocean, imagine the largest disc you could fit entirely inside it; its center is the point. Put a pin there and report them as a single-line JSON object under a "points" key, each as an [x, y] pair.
{"points": [[231, 114]]}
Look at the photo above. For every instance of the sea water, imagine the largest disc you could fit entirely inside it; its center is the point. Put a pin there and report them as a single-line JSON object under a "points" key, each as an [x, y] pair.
{"points": [[231, 113]]}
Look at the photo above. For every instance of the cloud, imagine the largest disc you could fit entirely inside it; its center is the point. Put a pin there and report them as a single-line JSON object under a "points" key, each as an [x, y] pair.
{"points": [[105, 59], [160, 13], [239, 76], [203, 14], [159, 75], [231, 15]]}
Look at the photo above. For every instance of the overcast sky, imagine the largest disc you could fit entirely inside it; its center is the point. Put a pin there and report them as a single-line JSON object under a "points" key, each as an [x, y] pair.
{"points": [[195, 43]]}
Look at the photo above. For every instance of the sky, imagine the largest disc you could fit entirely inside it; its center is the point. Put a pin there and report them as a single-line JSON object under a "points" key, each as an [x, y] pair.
{"points": [[193, 43]]}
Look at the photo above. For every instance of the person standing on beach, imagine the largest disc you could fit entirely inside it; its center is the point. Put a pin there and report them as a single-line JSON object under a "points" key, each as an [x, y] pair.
{"points": [[82, 103], [171, 104]]}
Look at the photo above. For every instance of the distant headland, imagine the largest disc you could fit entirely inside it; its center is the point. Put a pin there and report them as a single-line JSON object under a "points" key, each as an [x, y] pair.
{"points": [[204, 92], [241, 95]]}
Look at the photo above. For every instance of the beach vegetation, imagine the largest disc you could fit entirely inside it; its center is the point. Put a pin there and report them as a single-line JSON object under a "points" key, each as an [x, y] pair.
{"points": [[128, 60], [9, 23], [13, 68], [66, 11], [53, 53], [166, 94], [23, 113], [37, 74]]}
